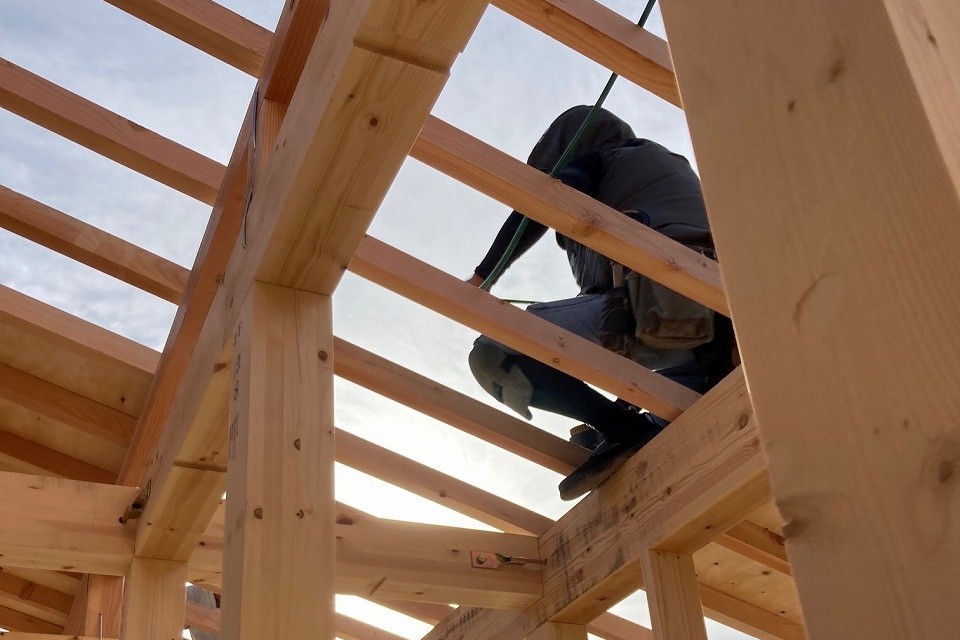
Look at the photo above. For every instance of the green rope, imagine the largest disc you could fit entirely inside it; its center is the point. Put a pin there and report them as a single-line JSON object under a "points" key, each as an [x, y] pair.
{"points": [[561, 162]]}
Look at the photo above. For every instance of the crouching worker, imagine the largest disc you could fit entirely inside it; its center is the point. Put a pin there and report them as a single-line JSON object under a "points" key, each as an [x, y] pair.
{"points": [[637, 318]]}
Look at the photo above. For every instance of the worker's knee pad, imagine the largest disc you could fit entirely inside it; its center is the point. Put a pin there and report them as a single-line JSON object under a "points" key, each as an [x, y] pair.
{"points": [[491, 367]]}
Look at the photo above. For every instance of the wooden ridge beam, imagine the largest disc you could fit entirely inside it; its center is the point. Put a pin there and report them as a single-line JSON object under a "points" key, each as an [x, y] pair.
{"points": [[454, 408], [388, 559], [538, 338], [208, 26], [572, 213], [64, 406], [57, 524], [436, 486], [92, 246], [74, 333], [705, 468], [397, 54], [52, 461], [112, 136], [605, 37]]}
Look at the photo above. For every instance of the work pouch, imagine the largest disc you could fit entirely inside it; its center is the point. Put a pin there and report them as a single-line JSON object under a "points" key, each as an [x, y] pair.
{"points": [[664, 318]]}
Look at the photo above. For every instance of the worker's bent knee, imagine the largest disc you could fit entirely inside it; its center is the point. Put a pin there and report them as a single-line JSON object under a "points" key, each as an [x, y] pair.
{"points": [[491, 367]]}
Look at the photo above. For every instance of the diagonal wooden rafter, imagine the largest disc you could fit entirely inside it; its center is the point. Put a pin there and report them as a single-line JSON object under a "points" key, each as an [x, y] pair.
{"points": [[91, 246], [207, 26], [44, 602], [517, 329], [51, 461], [108, 134]]}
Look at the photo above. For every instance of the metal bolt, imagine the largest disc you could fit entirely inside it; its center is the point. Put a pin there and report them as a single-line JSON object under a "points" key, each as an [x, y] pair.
{"points": [[481, 559], [258, 513]]}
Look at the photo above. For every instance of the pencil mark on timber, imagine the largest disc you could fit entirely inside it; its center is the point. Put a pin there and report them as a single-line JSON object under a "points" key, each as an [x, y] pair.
{"points": [[932, 38], [837, 69], [791, 106], [818, 303], [377, 586]]}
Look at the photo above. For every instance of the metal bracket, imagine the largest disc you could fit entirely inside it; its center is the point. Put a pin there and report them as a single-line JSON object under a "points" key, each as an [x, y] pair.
{"points": [[135, 510], [493, 560]]}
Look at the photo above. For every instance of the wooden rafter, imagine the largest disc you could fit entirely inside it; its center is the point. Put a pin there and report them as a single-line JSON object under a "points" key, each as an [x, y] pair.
{"points": [[91, 246], [108, 134]]}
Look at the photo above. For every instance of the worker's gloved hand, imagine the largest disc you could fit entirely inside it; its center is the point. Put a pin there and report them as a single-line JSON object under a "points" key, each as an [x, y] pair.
{"points": [[475, 280]]}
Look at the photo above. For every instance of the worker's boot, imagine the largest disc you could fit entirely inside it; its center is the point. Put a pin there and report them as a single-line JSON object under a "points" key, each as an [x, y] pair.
{"points": [[583, 435], [623, 436]]}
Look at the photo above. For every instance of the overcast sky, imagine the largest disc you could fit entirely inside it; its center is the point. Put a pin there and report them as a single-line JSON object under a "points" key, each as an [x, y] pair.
{"points": [[505, 89]]}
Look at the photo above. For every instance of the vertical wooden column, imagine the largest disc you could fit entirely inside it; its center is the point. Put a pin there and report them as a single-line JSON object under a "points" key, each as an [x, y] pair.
{"points": [[154, 597], [97, 596], [673, 596], [279, 553], [558, 631], [828, 139]]}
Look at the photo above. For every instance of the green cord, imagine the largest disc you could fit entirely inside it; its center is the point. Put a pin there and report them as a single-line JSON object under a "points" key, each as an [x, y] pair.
{"points": [[561, 163]]}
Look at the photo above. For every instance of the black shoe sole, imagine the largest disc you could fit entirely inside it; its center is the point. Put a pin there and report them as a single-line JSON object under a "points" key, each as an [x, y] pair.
{"points": [[592, 473]]}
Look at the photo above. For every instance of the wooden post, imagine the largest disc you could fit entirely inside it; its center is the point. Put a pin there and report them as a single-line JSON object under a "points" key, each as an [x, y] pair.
{"points": [[828, 141], [279, 554], [673, 596], [97, 596], [154, 597], [559, 631]]}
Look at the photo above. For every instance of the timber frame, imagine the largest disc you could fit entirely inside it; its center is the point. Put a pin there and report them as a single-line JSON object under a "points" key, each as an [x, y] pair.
{"points": [[859, 453]]}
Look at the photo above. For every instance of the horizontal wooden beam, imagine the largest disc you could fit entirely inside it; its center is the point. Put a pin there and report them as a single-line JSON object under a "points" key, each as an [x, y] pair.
{"points": [[35, 595], [594, 552], [438, 487], [21, 635], [572, 213], [13, 619], [538, 338], [352, 629], [605, 37], [208, 26], [758, 544], [92, 246], [112, 136], [379, 558], [67, 407], [57, 524], [454, 408], [52, 461]]}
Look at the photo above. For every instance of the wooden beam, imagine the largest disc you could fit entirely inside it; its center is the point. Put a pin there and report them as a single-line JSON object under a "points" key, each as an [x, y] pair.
{"points": [[71, 333], [438, 487], [605, 37], [456, 409], [279, 555], [757, 543], [52, 461], [862, 323], [572, 213], [559, 631], [207, 26], [37, 600], [17, 635], [561, 349], [672, 595], [201, 618], [16, 620], [153, 600], [352, 629], [748, 618], [382, 50], [112, 136], [92, 246], [96, 607], [594, 552], [67, 407], [37, 510]]}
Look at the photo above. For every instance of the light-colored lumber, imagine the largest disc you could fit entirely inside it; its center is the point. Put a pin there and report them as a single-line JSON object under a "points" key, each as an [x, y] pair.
{"points": [[456, 409], [672, 595], [17, 635], [352, 629], [757, 543], [91, 246], [96, 607], [604, 36], [840, 265], [202, 618], [62, 582], [572, 213], [111, 135], [538, 338], [13, 619], [207, 26], [750, 619], [67, 407], [594, 552], [279, 554], [154, 598], [301, 183], [52, 523], [42, 599], [559, 631], [438, 487], [51, 461]]}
